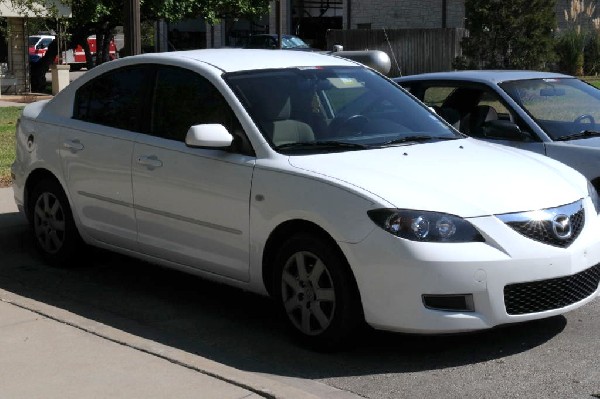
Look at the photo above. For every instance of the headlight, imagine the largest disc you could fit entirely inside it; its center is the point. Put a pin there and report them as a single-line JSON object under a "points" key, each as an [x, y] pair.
{"points": [[594, 196], [425, 226]]}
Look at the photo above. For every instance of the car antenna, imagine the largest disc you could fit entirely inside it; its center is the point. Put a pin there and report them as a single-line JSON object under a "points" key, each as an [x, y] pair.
{"points": [[392, 51]]}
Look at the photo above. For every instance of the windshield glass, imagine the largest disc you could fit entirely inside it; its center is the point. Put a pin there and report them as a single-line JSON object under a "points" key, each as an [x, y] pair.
{"points": [[33, 40], [562, 107], [341, 108], [293, 42]]}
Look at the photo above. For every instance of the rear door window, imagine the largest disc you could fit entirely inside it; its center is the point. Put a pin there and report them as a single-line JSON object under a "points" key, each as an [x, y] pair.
{"points": [[116, 99]]}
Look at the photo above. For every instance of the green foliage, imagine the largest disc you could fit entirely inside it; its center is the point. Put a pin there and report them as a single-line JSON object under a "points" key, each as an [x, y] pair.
{"points": [[215, 10], [8, 121], [509, 33], [569, 48], [592, 54]]}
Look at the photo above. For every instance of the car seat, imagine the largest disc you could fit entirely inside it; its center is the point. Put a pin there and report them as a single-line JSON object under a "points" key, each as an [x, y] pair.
{"points": [[274, 118], [473, 123]]}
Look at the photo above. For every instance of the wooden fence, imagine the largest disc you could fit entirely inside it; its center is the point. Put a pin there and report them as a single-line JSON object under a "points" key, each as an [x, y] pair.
{"points": [[411, 51]]}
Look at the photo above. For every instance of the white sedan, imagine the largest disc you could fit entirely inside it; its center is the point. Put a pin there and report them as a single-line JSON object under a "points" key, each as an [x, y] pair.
{"points": [[309, 178]]}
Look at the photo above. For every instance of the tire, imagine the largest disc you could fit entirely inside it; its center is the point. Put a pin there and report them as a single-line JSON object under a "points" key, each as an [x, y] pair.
{"points": [[316, 293], [55, 234]]}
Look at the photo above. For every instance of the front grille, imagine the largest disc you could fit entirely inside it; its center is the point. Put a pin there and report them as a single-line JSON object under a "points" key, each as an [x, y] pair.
{"points": [[556, 293], [538, 225]]}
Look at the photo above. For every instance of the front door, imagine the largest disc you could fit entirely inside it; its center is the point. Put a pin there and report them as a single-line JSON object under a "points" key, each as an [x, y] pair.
{"points": [[191, 204]]}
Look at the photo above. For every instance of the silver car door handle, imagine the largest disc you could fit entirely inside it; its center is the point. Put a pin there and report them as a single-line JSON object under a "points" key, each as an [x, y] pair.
{"points": [[150, 161], [73, 145]]}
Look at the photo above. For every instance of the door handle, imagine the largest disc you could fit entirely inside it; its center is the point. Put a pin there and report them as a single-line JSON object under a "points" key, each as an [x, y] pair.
{"points": [[73, 145], [150, 161]]}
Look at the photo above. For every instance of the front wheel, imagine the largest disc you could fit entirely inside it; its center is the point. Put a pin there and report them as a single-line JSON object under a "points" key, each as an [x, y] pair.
{"points": [[317, 292], [56, 236]]}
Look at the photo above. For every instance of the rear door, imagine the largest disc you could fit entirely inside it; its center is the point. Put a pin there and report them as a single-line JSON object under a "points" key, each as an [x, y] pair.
{"points": [[97, 150]]}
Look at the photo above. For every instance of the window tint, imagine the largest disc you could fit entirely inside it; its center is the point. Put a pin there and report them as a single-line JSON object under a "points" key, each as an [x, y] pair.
{"points": [[115, 99], [183, 99]]}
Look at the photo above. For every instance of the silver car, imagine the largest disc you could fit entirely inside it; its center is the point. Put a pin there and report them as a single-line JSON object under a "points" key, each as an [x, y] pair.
{"points": [[548, 113]]}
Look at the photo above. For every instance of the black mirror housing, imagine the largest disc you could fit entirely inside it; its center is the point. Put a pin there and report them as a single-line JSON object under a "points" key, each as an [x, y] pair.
{"points": [[503, 130]]}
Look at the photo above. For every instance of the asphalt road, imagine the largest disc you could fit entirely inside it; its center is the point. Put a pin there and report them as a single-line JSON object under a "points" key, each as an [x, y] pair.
{"points": [[553, 358]]}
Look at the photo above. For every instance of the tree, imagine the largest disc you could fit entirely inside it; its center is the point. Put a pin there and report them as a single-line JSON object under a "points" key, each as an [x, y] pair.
{"points": [[509, 34], [100, 17]]}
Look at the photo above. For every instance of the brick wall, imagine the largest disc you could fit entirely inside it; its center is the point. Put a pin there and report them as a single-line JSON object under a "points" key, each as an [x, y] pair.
{"points": [[399, 14]]}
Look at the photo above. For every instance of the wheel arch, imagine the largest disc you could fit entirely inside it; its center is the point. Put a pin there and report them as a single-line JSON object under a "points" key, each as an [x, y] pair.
{"points": [[33, 179], [596, 183], [287, 229]]}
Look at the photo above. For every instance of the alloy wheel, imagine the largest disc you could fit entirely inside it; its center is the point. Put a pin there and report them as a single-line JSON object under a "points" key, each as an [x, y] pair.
{"points": [[49, 223], [308, 293]]}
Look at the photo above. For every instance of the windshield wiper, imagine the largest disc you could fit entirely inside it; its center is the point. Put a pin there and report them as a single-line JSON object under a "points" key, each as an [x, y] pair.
{"points": [[329, 144], [415, 139], [581, 135]]}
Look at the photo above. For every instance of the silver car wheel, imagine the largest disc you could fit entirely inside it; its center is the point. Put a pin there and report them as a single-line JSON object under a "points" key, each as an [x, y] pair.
{"points": [[308, 293], [49, 223]]}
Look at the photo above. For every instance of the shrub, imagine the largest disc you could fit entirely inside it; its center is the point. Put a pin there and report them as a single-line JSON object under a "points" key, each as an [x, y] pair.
{"points": [[592, 54], [569, 49]]}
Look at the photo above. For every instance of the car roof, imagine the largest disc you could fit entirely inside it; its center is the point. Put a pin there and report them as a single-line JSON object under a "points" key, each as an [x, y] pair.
{"points": [[482, 76], [274, 35], [235, 59]]}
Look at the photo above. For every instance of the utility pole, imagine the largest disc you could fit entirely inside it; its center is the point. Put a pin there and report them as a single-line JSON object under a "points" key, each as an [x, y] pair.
{"points": [[278, 12], [132, 28], [444, 13]]}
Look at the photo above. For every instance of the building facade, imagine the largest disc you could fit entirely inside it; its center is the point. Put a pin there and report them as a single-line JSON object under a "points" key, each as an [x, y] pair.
{"points": [[400, 14]]}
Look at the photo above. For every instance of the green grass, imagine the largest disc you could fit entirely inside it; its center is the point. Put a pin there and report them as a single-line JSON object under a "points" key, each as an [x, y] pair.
{"points": [[593, 80], [8, 121]]}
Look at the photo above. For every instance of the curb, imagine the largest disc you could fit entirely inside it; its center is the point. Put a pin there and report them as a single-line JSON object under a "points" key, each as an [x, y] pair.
{"points": [[263, 386]]}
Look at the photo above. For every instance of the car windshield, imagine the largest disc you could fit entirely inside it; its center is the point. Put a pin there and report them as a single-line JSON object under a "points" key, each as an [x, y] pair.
{"points": [[565, 107], [293, 42], [320, 109], [33, 40]]}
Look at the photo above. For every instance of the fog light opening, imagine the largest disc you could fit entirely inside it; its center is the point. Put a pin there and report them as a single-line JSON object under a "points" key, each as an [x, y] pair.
{"points": [[450, 303]]}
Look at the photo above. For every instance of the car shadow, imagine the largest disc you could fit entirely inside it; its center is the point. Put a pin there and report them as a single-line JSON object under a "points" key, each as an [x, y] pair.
{"points": [[228, 325]]}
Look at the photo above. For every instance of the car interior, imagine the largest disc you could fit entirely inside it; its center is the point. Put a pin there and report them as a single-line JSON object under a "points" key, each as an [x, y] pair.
{"points": [[468, 109]]}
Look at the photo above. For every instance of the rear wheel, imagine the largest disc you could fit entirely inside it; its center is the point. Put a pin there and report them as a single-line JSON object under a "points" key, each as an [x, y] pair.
{"points": [[317, 293], [56, 236]]}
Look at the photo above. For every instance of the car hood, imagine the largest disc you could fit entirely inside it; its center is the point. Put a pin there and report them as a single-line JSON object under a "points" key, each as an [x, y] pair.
{"points": [[588, 142], [461, 177]]}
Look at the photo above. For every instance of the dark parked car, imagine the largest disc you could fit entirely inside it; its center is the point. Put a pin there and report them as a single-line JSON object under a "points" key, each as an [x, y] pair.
{"points": [[269, 41]]}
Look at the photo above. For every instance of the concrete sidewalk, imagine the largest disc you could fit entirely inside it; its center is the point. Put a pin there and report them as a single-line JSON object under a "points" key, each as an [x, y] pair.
{"points": [[49, 352], [42, 357]]}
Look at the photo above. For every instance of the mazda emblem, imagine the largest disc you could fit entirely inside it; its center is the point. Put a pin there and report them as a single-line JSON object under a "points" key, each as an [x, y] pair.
{"points": [[561, 226]]}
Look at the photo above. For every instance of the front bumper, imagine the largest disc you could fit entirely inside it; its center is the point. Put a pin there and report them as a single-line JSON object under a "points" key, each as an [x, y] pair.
{"points": [[508, 271]]}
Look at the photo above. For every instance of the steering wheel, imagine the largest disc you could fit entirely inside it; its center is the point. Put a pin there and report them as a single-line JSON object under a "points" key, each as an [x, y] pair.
{"points": [[352, 125], [583, 117]]}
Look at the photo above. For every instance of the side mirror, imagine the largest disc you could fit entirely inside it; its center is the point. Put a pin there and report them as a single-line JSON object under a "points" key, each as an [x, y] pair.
{"points": [[208, 136], [503, 130]]}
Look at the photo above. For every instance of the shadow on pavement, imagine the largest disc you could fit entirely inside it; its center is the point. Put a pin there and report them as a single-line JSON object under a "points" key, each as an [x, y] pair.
{"points": [[228, 325]]}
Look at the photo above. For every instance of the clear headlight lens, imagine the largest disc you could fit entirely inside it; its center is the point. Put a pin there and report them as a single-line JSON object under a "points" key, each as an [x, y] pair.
{"points": [[594, 196], [425, 226]]}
